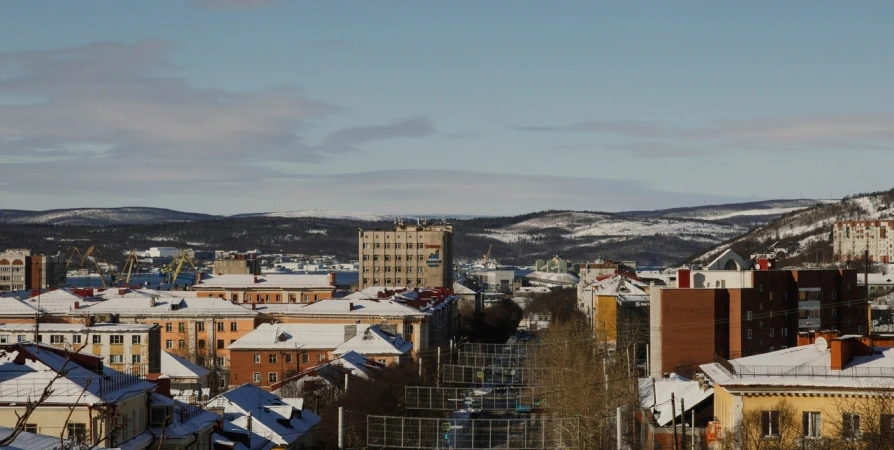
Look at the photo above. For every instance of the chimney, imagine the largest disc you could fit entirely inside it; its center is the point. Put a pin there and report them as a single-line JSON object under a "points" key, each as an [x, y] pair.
{"points": [[350, 306], [77, 305], [89, 320], [332, 279], [152, 301], [844, 349], [256, 279], [254, 306]]}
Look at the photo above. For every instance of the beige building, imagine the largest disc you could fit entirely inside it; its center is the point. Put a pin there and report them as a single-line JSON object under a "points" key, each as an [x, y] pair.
{"points": [[13, 269], [851, 239], [409, 255], [131, 348]]}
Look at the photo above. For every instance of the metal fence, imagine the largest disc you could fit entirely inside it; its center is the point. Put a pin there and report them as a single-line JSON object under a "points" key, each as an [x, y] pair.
{"points": [[492, 376], [520, 399], [743, 371], [462, 433], [498, 349], [465, 358]]}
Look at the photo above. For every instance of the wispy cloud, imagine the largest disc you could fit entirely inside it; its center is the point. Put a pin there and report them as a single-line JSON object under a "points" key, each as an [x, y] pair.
{"points": [[793, 133], [346, 140]]}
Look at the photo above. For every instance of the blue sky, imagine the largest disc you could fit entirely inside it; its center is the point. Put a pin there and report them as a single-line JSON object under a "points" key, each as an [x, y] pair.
{"points": [[229, 106]]}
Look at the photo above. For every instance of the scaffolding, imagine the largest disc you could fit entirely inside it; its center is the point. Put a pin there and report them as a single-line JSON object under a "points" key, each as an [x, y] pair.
{"points": [[468, 433], [465, 358], [519, 399], [492, 376]]}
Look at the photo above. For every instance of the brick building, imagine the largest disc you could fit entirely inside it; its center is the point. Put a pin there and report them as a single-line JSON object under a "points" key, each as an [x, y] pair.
{"points": [[20, 270], [268, 288], [688, 326], [409, 255], [852, 238]]}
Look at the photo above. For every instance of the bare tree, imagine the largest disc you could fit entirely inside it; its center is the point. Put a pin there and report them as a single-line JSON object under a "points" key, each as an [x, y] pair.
{"points": [[863, 423], [778, 428]]}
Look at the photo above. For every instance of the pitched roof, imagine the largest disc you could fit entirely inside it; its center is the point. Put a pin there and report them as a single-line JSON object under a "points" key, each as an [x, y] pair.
{"points": [[375, 341], [178, 367], [29, 441], [172, 306], [27, 369], [139, 293], [265, 281], [324, 336], [357, 307], [658, 392], [56, 301], [272, 419], [10, 306]]}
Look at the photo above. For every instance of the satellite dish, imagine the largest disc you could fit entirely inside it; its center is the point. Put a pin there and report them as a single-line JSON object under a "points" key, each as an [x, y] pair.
{"points": [[821, 344]]}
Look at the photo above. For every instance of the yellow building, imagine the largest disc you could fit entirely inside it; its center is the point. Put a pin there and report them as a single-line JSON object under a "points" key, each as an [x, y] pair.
{"points": [[615, 305], [828, 391]]}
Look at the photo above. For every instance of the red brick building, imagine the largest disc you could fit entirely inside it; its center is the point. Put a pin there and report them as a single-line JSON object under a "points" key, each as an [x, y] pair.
{"points": [[690, 325]]}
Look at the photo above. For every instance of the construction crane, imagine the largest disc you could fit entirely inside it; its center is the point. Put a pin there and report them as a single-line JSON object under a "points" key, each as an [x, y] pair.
{"points": [[176, 265], [93, 253], [487, 255], [130, 262], [71, 254]]}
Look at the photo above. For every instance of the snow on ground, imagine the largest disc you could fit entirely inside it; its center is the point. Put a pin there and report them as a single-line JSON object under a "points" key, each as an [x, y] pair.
{"points": [[751, 212], [320, 214]]}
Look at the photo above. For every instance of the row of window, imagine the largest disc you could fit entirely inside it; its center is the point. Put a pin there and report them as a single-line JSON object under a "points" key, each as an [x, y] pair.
{"points": [[396, 258], [771, 332], [812, 424], [201, 343], [398, 269], [392, 282], [14, 269], [397, 245], [305, 358], [200, 326], [119, 359], [75, 339]]}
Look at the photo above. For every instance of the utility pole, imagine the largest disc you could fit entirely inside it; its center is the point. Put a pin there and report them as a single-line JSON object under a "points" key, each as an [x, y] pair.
{"points": [[674, 418], [341, 427], [618, 427], [347, 378], [682, 423], [438, 380], [693, 428]]}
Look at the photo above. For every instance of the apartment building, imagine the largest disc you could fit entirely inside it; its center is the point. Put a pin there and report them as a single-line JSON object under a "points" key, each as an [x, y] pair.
{"points": [[20, 270], [617, 307], [274, 352], [835, 388], [199, 329], [13, 268], [268, 288], [852, 238], [409, 255], [744, 313], [131, 348]]}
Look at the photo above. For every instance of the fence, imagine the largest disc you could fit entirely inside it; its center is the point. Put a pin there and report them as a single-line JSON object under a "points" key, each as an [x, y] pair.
{"points": [[521, 399], [492, 376], [465, 358], [498, 349], [462, 433]]}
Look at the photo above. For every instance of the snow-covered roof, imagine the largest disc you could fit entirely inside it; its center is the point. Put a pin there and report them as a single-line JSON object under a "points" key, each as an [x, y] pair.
{"points": [[459, 289], [171, 306], [343, 307], [56, 301], [187, 420], [620, 285], [77, 327], [686, 393], [375, 341], [806, 365], [27, 369], [553, 277], [29, 441], [138, 293], [178, 367], [324, 336], [272, 419], [265, 281], [10, 306]]}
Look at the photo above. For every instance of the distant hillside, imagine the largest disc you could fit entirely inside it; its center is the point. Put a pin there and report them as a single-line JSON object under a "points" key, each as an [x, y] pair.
{"points": [[806, 235], [747, 214], [665, 238], [98, 216]]}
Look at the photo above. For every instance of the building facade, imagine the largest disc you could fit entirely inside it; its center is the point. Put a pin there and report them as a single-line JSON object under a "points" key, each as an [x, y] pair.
{"points": [[689, 326], [851, 239], [269, 288], [409, 255], [13, 266]]}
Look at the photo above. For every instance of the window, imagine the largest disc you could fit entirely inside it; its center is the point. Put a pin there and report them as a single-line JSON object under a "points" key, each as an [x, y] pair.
{"points": [[397, 246], [305, 358], [116, 359], [365, 257], [366, 245], [387, 258], [271, 357], [221, 361], [168, 327], [366, 281], [233, 326], [748, 315], [77, 431], [31, 428], [135, 339], [388, 269], [375, 257], [257, 358], [116, 339], [387, 245], [271, 377], [771, 295], [56, 339], [219, 326], [181, 344], [220, 344], [256, 377], [201, 326], [783, 332], [770, 424], [222, 383], [812, 295], [169, 344], [4, 339], [408, 330], [850, 426], [201, 343], [320, 357], [749, 333], [811, 424], [135, 359], [834, 295], [771, 348], [886, 423], [21, 338], [378, 245], [97, 339], [387, 281], [288, 358], [76, 339], [772, 332]]}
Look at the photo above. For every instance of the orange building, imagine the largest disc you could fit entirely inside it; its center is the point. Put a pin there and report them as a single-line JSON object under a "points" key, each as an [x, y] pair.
{"points": [[268, 288], [199, 329]]}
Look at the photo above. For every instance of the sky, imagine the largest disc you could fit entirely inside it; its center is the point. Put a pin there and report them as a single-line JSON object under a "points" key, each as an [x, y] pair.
{"points": [[441, 107]]}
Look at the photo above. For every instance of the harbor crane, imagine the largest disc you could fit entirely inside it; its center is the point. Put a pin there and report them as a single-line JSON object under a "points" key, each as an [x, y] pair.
{"points": [[93, 253], [130, 263], [176, 265]]}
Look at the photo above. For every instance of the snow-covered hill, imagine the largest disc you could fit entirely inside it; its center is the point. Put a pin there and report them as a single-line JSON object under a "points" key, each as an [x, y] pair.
{"points": [[321, 214], [98, 216], [802, 232], [748, 214]]}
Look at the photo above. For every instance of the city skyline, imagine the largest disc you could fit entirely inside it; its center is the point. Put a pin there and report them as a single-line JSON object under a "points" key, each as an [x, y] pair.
{"points": [[501, 107]]}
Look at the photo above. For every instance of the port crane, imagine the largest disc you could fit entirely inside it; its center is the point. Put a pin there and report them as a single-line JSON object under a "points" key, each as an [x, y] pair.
{"points": [[93, 253], [176, 265], [487, 255], [130, 263]]}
